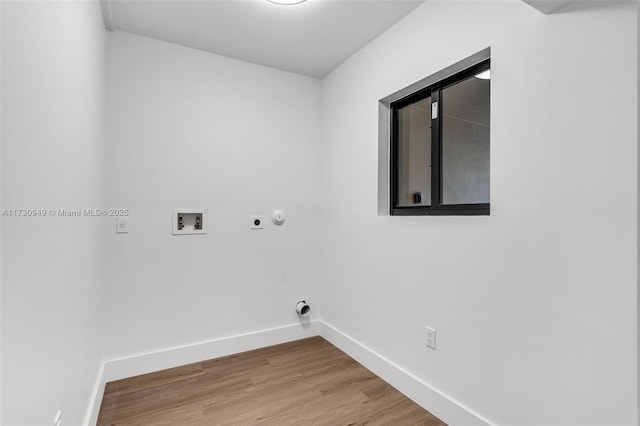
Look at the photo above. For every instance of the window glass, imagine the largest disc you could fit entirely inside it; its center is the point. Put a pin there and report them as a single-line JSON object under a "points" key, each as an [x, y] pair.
{"points": [[414, 154], [439, 143], [465, 142]]}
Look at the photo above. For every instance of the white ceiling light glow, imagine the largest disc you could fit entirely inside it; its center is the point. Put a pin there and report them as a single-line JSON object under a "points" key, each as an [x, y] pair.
{"points": [[286, 2], [484, 75]]}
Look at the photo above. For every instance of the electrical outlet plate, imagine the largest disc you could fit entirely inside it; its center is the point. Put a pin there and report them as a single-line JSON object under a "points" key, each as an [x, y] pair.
{"points": [[431, 337], [122, 225], [257, 222]]}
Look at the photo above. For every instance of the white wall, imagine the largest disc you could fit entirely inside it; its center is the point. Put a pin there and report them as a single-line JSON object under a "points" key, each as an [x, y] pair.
{"points": [[52, 141], [195, 130], [516, 297], [535, 306]]}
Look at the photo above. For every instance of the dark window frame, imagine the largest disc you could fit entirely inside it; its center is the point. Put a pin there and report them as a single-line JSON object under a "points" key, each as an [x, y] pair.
{"points": [[436, 208]]}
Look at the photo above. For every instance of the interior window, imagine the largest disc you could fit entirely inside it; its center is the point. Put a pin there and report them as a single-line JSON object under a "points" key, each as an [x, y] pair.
{"points": [[440, 147]]}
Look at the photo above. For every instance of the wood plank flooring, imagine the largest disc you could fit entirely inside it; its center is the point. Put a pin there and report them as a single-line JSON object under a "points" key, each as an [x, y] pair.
{"points": [[307, 382]]}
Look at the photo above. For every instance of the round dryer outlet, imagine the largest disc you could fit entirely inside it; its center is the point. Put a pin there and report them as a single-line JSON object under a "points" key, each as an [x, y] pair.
{"points": [[277, 217]]}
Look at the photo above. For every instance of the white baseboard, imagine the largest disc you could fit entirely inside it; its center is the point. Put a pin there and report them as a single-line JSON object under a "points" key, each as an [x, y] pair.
{"points": [[436, 402], [442, 406], [149, 362]]}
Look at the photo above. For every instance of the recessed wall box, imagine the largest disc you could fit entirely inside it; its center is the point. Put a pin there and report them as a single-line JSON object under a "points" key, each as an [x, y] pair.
{"points": [[189, 221]]}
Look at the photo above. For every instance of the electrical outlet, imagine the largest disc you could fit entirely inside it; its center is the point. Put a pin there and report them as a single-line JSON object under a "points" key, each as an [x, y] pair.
{"points": [[257, 222], [431, 337], [122, 225], [57, 420]]}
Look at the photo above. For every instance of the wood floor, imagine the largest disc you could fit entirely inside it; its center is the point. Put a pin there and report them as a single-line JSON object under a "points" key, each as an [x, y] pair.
{"points": [[307, 382]]}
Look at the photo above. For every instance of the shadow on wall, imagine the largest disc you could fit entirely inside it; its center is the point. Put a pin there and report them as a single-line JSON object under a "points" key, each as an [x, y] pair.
{"points": [[582, 6]]}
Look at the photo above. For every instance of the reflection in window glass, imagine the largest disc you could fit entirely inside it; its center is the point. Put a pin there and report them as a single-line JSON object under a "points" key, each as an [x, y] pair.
{"points": [[465, 142], [414, 154]]}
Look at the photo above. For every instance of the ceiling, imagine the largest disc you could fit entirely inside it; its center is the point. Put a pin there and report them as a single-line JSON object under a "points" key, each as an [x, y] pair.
{"points": [[311, 38], [547, 6]]}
